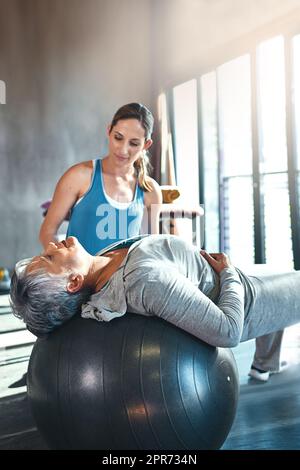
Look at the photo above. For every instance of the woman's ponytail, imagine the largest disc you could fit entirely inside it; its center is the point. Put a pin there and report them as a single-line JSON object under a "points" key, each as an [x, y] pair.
{"points": [[143, 166]]}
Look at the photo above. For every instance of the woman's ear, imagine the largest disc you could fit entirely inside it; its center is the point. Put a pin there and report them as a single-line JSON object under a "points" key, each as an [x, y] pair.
{"points": [[108, 130], [75, 282], [148, 144]]}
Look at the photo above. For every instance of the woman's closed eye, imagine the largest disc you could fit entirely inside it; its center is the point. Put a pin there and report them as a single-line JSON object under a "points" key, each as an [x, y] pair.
{"points": [[132, 143], [49, 257]]}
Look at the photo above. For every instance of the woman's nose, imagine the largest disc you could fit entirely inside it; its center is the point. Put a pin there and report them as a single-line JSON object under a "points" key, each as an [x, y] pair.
{"points": [[50, 247], [123, 148]]}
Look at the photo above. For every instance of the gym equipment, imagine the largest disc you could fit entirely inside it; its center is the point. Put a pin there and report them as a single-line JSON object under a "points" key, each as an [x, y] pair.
{"points": [[136, 382], [4, 281]]}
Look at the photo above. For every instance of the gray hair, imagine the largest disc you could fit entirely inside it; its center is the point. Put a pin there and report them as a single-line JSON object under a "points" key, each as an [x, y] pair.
{"points": [[41, 300]]}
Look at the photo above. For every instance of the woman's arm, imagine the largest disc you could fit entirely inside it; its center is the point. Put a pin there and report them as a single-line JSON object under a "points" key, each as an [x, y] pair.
{"points": [[70, 187], [171, 296], [153, 201]]}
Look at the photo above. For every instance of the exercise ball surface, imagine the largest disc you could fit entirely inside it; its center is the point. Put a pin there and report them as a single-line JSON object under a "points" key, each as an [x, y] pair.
{"points": [[136, 382]]}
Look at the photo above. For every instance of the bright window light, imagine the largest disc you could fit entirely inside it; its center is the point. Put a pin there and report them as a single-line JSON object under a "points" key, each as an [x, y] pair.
{"points": [[234, 91], [296, 90], [210, 160], [271, 101], [235, 141], [277, 221], [186, 140]]}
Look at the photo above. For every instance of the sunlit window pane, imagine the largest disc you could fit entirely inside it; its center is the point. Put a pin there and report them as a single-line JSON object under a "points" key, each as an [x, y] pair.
{"points": [[271, 100], [234, 91], [296, 96], [210, 160], [277, 220], [238, 219], [296, 89], [186, 140]]}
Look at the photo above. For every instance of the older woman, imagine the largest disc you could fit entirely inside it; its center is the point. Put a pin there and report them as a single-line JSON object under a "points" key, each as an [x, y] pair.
{"points": [[154, 275]]}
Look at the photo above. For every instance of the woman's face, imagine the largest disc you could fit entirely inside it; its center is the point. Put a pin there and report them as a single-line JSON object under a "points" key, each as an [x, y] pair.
{"points": [[127, 141], [61, 258]]}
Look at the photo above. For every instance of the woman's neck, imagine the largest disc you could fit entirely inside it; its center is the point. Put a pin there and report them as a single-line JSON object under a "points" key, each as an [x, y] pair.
{"points": [[109, 167], [104, 267]]}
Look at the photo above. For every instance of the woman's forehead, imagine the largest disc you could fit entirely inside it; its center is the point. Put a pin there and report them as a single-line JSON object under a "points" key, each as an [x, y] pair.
{"points": [[130, 126], [22, 265], [38, 262]]}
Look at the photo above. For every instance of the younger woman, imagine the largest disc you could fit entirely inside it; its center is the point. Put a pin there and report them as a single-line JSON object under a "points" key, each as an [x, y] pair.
{"points": [[109, 199]]}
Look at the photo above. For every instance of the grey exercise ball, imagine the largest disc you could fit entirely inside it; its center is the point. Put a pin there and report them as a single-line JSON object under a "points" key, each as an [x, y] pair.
{"points": [[133, 383]]}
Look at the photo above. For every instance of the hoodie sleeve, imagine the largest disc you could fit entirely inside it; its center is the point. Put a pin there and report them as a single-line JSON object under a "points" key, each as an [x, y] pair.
{"points": [[169, 295]]}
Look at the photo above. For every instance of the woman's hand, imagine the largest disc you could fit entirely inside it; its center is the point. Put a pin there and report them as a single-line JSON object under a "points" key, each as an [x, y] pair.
{"points": [[218, 261]]}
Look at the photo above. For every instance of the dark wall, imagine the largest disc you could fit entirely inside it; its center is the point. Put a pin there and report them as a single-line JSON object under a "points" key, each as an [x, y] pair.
{"points": [[67, 65]]}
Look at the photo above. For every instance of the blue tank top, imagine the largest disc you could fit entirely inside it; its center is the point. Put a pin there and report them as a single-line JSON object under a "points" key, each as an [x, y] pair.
{"points": [[97, 224]]}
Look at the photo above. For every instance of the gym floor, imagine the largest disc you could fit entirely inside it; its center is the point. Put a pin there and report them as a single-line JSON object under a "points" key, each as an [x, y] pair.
{"points": [[268, 415]]}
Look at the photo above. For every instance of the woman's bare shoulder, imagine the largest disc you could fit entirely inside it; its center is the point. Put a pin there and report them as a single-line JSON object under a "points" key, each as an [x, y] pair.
{"points": [[154, 184], [81, 171], [81, 167], [155, 195]]}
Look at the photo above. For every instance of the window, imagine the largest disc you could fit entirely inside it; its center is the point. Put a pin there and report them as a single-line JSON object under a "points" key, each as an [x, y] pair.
{"points": [[186, 150], [273, 150], [242, 168], [296, 96], [210, 162], [235, 141], [186, 140]]}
